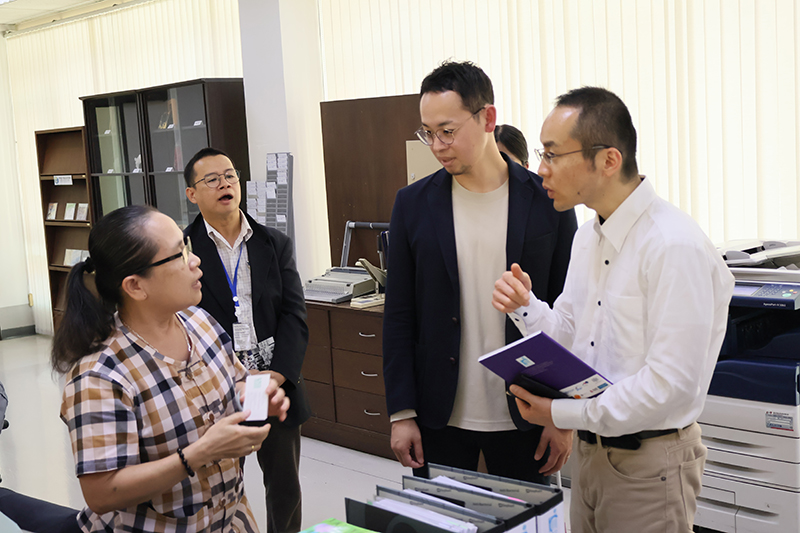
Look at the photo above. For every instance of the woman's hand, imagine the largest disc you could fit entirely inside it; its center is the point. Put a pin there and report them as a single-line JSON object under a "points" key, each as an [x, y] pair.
{"points": [[278, 402], [226, 439]]}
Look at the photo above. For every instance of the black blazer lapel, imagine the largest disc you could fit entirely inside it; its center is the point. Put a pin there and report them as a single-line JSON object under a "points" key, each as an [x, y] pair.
{"points": [[261, 255], [520, 196], [440, 200]]}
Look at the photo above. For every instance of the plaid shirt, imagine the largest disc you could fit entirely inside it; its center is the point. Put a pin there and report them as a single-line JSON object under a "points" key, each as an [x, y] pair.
{"points": [[128, 404]]}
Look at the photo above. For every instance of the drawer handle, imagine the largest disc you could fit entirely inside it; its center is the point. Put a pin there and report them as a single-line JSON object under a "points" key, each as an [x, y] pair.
{"points": [[367, 335], [371, 414], [368, 375]]}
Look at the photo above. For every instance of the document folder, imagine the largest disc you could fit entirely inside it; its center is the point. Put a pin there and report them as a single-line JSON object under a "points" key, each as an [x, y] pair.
{"points": [[491, 503], [485, 523], [540, 358], [368, 516]]}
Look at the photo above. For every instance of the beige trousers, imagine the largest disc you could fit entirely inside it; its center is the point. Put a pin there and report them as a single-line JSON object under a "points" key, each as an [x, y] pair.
{"points": [[652, 489]]}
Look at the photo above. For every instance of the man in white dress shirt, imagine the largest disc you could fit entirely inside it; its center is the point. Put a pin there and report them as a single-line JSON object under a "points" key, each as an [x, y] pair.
{"points": [[645, 303]]}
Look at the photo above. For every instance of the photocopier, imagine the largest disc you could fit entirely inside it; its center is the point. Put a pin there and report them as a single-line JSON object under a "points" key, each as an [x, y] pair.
{"points": [[751, 420]]}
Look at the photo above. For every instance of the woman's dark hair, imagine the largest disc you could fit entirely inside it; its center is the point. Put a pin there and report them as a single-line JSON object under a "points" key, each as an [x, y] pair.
{"points": [[513, 140], [118, 247]]}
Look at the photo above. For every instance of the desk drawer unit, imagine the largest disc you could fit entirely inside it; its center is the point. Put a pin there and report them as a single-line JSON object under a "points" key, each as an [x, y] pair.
{"points": [[358, 371], [356, 332], [362, 410], [320, 397], [319, 332]]}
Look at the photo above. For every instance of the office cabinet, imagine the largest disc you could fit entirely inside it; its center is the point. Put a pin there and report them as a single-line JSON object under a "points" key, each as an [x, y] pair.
{"points": [[343, 370], [141, 140], [66, 200]]}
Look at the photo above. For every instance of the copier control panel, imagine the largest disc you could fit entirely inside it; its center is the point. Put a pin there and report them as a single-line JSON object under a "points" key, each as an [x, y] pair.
{"points": [[766, 295]]}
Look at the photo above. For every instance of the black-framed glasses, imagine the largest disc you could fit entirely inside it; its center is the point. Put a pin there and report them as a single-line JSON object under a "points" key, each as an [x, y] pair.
{"points": [[184, 253], [547, 157], [212, 180], [445, 135]]}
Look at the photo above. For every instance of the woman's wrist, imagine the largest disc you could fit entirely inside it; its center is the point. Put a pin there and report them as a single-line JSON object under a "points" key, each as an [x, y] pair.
{"points": [[185, 463], [194, 456]]}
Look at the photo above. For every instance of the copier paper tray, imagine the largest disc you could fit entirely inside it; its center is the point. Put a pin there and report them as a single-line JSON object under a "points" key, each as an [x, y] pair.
{"points": [[760, 380]]}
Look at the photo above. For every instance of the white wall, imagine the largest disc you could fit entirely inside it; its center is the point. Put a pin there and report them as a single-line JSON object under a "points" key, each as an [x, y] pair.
{"points": [[282, 70], [14, 310]]}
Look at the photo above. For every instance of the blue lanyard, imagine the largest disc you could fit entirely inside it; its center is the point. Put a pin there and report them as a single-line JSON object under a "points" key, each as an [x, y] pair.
{"points": [[235, 282]]}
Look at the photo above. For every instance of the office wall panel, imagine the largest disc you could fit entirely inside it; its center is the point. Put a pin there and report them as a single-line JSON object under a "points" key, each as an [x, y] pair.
{"points": [[148, 44], [712, 84]]}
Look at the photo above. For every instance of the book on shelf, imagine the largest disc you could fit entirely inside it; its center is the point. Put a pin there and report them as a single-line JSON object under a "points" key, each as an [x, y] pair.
{"points": [[72, 257], [545, 368], [69, 211], [51, 210], [82, 211]]}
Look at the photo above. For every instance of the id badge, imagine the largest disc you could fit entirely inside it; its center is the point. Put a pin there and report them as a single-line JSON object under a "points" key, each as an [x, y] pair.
{"points": [[241, 337]]}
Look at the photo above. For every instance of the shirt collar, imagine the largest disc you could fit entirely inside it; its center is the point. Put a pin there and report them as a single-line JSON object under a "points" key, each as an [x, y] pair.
{"points": [[245, 232], [619, 224]]}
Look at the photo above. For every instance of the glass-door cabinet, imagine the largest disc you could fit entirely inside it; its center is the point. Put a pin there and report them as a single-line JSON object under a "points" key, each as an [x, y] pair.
{"points": [[115, 152], [141, 141], [176, 120]]}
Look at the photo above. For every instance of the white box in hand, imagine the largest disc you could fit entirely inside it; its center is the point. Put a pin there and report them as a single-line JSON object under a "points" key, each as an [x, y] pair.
{"points": [[256, 399]]}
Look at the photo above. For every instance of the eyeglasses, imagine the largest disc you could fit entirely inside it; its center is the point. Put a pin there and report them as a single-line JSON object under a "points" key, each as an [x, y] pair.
{"points": [[212, 180], [548, 157], [184, 253], [445, 136]]}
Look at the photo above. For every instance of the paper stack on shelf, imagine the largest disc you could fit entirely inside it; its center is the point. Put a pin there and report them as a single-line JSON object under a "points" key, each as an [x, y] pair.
{"points": [[270, 202]]}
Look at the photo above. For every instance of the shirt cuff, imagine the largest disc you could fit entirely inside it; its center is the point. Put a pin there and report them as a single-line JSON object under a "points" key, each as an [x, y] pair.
{"points": [[525, 316], [567, 413], [405, 414]]}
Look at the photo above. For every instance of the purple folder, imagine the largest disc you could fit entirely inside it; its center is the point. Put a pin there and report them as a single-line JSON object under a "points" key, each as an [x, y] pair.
{"points": [[544, 360]]}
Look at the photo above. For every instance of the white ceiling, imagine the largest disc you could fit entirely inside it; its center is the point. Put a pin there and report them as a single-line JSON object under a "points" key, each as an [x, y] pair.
{"points": [[17, 11]]}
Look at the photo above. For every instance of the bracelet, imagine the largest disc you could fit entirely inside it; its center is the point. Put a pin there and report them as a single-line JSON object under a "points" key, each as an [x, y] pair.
{"points": [[185, 463]]}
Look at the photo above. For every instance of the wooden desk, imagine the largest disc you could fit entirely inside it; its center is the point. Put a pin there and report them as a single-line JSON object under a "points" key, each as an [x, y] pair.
{"points": [[343, 370]]}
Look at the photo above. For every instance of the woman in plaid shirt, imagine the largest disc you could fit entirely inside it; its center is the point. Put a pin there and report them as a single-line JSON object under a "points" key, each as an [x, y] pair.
{"points": [[150, 387]]}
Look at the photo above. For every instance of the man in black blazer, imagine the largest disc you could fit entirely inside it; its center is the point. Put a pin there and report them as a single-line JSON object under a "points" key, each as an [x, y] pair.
{"points": [[449, 231], [252, 288]]}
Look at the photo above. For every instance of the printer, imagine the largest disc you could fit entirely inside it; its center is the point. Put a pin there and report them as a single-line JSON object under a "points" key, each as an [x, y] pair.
{"points": [[751, 420]]}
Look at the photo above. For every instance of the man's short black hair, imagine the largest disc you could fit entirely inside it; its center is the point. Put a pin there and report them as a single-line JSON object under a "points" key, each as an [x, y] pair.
{"points": [[466, 79], [189, 173], [603, 120]]}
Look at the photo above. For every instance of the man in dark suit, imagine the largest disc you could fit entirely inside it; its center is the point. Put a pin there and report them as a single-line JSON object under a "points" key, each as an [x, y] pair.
{"points": [[449, 232], [251, 286]]}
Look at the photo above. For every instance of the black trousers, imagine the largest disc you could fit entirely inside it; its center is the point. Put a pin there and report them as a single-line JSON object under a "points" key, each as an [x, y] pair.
{"points": [[279, 458], [36, 515], [507, 453]]}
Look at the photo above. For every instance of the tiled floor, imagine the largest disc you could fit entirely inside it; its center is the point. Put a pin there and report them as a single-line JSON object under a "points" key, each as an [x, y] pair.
{"points": [[35, 455]]}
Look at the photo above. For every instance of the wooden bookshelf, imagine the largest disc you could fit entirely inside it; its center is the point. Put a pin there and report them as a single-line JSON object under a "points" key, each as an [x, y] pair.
{"points": [[63, 180]]}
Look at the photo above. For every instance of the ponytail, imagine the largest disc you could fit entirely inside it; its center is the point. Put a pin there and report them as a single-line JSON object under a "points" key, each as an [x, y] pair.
{"points": [[86, 322]]}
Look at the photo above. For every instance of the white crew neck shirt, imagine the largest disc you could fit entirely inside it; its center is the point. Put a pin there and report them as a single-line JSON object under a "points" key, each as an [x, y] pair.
{"points": [[481, 223]]}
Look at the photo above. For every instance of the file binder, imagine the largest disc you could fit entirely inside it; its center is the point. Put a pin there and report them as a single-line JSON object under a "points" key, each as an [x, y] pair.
{"points": [[544, 360], [510, 506], [484, 522]]}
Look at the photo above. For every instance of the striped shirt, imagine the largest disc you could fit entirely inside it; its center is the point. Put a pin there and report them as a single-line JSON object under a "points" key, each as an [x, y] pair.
{"points": [[244, 286], [128, 404]]}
